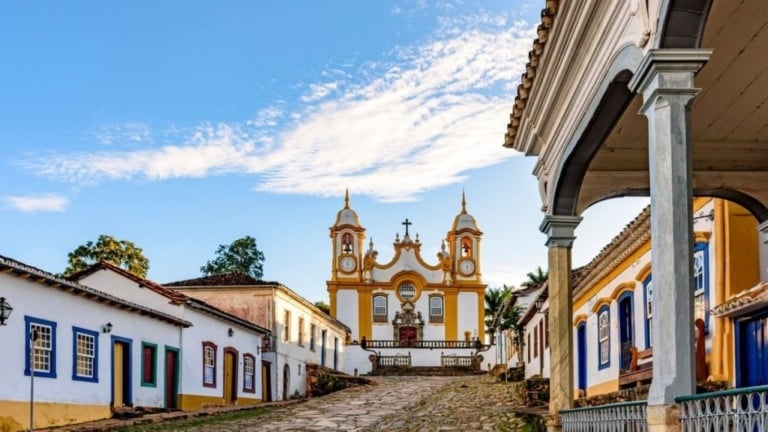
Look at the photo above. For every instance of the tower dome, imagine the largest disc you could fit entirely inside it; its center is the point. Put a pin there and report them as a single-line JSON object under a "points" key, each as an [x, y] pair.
{"points": [[347, 216], [464, 220]]}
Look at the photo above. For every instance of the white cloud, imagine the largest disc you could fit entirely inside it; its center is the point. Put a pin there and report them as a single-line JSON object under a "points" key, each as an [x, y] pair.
{"points": [[38, 203], [126, 133], [418, 121]]}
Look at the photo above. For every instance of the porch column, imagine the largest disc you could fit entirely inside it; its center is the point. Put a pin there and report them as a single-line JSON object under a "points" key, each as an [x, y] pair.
{"points": [[763, 249], [665, 79], [560, 236]]}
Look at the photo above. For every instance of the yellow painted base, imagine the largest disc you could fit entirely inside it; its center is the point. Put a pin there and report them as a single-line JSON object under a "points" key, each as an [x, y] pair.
{"points": [[196, 402], [14, 415], [602, 388]]}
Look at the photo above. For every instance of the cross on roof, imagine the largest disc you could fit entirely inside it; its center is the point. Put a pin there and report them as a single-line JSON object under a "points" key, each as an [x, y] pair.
{"points": [[407, 223]]}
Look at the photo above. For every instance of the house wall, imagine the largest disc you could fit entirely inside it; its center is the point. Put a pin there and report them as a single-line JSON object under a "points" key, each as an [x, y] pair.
{"points": [[63, 400]]}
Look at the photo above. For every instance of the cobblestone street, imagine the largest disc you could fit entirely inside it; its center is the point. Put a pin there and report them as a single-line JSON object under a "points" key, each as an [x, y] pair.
{"points": [[473, 403]]}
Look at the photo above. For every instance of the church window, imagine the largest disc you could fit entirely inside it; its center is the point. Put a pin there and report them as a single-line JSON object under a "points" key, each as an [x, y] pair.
{"points": [[85, 350], [380, 308], [436, 309], [209, 364], [407, 290], [43, 346], [603, 337], [287, 326], [648, 288], [701, 283], [148, 362], [248, 373], [312, 337]]}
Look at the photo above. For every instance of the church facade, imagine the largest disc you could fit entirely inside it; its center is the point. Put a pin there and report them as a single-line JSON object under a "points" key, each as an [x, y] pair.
{"points": [[408, 303]]}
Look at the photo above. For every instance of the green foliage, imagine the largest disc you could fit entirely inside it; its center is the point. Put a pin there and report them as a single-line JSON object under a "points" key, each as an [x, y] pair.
{"points": [[323, 306], [121, 253], [495, 299], [533, 423], [535, 277], [241, 256]]}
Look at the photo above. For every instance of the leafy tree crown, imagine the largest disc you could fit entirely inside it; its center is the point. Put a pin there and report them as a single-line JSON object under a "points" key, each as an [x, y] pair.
{"points": [[240, 256], [121, 253]]}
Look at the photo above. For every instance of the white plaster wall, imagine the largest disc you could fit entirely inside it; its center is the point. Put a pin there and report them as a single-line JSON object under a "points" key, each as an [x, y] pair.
{"points": [[382, 331], [208, 328], [120, 286], [467, 307], [67, 310], [356, 358], [434, 331], [407, 262], [347, 310]]}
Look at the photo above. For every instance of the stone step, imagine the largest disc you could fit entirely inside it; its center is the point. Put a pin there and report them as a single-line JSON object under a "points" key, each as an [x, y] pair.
{"points": [[425, 371]]}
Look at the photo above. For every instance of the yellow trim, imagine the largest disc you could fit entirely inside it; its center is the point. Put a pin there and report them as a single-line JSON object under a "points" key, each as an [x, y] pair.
{"points": [[242, 401], [602, 388], [605, 301], [578, 319], [14, 415], [451, 313], [365, 314], [399, 250], [418, 281], [644, 272], [481, 317], [613, 274], [701, 236], [332, 298], [622, 288], [189, 402]]}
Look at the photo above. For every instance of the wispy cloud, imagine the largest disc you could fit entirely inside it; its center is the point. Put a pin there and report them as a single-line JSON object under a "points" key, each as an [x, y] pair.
{"points": [[38, 203], [418, 120], [126, 133]]}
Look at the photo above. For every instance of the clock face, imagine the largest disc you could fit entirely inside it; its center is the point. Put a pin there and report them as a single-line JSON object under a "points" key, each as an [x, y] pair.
{"points": [[348, 264], [467, 267]]}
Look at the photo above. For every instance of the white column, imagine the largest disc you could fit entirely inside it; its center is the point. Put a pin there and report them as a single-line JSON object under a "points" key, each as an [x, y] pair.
{"points": [[665, 79]]}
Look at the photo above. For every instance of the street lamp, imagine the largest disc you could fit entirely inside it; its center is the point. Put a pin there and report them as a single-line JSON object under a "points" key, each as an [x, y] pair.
{"points": [[539, 304], [5, 310]]}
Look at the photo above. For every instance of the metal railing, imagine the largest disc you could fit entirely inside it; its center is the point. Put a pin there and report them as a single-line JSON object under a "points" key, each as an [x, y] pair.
{"points": [[743, 409], [432, 344], [456, 361], [624, 417], [393, 361]]}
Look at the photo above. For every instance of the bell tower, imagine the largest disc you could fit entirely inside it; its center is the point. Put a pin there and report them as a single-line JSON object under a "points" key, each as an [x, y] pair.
{"points": [[464, 245], [347, 236]]}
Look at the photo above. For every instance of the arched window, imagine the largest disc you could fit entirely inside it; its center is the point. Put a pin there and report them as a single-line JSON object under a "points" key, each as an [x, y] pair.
{"points": [[436, 309], [407, 290], [604, 337], [380, 308], [466, 247]]}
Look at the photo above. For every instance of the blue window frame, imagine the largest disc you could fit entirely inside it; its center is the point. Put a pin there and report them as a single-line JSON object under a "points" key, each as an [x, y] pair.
{"points": [[85, 355], [648, 300], [604, 337], [44, 355], [701, 283]]}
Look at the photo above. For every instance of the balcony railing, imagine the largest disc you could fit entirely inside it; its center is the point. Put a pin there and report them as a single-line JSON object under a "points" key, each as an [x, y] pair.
{"points": [[744, 409], [431, 344], [625, 417], [457, 361], [393, 361]]}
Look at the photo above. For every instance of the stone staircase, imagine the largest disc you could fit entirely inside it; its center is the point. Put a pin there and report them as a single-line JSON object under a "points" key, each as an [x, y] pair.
{"points": [[425, 371]]}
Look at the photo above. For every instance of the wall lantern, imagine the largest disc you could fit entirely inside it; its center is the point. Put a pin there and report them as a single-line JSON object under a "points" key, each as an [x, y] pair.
{"points": [[5, 310], [230, 332], [539, 304], [107, 328]]}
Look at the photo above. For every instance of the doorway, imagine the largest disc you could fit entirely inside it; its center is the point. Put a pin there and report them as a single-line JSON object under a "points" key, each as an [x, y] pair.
{"points": [[286, 382], [230, 375], [121, 372], [626, 329], [266, 381], [581, 347], [752, 352], [407, 336], [171, 378], [323, 339]]}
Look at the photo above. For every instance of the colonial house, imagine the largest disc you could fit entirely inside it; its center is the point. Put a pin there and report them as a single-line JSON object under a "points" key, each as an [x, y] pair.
{"points": [[83, 350], [227, 347], [302, 333], [408, 311]]}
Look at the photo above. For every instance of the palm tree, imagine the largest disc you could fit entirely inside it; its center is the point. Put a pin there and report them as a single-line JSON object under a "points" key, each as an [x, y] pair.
{"points": [[535, 277], [494, 300]]}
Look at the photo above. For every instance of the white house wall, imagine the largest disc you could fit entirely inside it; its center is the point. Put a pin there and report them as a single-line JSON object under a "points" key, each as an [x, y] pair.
{"points": [[124, 288]]}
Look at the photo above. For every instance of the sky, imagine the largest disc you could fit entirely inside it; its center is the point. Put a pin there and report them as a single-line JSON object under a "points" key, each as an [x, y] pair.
{"points": [[181, 126]]}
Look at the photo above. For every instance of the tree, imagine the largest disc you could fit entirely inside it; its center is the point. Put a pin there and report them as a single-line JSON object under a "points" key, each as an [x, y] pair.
{"points": [[323, 306], [121, 253], [241, 256], [494, 299], [535, 277]]}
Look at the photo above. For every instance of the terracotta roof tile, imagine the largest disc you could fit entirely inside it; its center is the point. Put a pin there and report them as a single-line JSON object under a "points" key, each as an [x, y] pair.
{"points": [[744, 301], [226, 279]]}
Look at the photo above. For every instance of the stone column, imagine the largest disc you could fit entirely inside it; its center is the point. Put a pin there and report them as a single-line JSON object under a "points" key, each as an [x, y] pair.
{"points": [[763, 249], [665, 79], [560, 236]]}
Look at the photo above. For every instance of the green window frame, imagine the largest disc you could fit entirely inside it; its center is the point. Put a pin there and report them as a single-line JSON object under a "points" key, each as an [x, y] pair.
{"points": [[148, 364]]}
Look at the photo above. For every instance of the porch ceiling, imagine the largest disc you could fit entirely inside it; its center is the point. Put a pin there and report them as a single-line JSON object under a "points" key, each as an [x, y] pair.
{"points": [[729, 117]]}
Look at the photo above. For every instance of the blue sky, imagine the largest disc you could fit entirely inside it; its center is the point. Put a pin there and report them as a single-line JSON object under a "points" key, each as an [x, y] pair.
{"points": [[184, 125]]}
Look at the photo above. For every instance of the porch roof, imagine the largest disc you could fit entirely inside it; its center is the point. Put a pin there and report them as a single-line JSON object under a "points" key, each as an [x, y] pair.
{"points": [[744, 302]]}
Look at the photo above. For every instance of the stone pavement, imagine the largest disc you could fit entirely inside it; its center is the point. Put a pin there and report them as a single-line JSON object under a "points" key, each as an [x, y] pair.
{"points": [[471, 403]]}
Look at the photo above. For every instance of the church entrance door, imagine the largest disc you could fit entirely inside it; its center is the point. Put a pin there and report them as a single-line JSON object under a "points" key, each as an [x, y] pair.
{"points": [[407, 336]]}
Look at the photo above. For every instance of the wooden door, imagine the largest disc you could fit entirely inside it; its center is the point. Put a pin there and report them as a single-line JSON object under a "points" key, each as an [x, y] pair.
{"points": [[266, 381], [230, 376], [752, 352], [171, 379], [581, 347], [407, 336], [118, 384], [626, 330]]}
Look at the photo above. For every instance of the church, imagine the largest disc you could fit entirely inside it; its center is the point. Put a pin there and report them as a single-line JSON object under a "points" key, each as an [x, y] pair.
{"points": [[408, 311]]}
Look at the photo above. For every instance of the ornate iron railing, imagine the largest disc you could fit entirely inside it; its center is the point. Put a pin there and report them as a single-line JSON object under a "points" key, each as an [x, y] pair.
{"points": [[431, 344], [743, 409], [393, 361], [456, 361], [625, 417]]}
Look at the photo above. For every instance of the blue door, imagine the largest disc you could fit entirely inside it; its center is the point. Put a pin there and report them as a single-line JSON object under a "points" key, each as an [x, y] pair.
{"points": [[626, 329], [752, 352], [581, 342]]}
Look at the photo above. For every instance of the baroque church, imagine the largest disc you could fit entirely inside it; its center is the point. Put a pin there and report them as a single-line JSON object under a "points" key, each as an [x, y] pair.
{"points": [[409, 303]]}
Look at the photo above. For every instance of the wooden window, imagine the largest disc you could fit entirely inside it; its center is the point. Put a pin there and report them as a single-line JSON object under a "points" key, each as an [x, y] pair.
{"points": [[529, 347], [209, 364], [41, 346], [301, 331], [604, 337], [148, 364], [249, 384], [380, 314], [287, 326], [85, 351], [312, 336], [436, 309]]}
